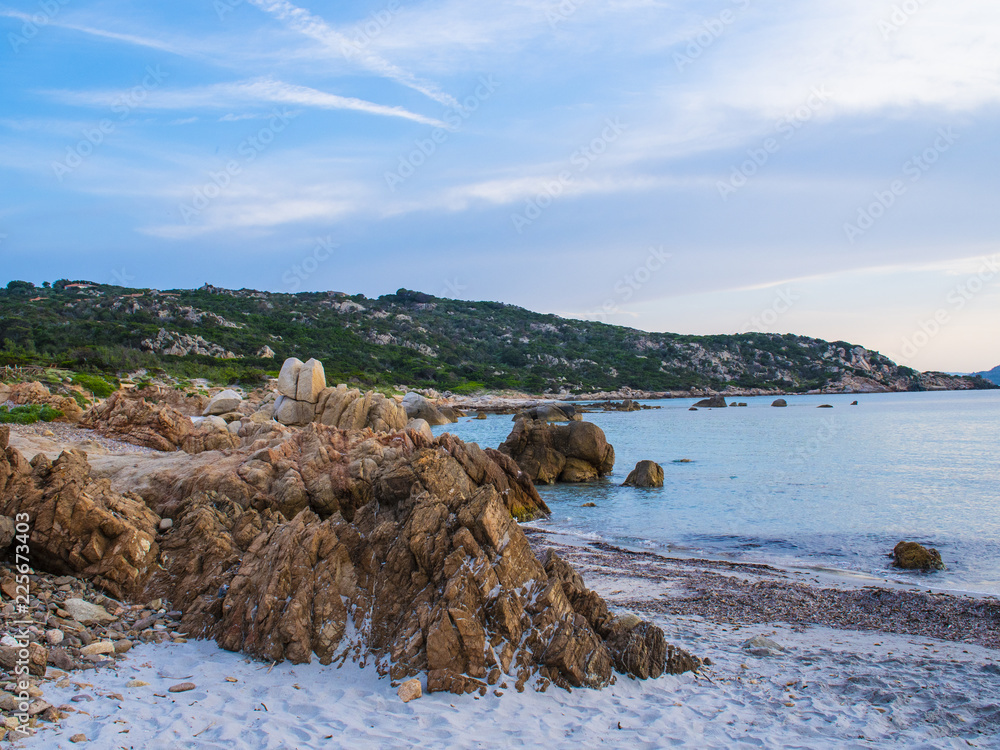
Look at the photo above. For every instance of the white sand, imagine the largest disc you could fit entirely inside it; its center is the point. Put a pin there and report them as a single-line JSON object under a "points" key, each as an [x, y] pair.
{"points": [[845, 690]]}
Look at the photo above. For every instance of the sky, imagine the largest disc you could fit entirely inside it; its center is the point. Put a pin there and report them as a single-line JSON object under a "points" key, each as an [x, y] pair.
{"points": [[827, 168]]}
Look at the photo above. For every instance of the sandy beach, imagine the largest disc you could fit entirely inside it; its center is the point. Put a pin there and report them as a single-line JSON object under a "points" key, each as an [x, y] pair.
{"points": [[874, 680]]}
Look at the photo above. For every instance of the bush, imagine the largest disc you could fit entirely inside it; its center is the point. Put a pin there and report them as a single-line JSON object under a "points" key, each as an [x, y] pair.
{"points": [[96, 384], [28, 414]]}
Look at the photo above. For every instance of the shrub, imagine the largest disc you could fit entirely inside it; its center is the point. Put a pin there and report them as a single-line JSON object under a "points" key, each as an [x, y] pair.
{"points": [[96, 384], [28, 414]]}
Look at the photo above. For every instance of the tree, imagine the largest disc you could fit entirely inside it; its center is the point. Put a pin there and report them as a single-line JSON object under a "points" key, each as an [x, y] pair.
{"points": [[20, 287]]}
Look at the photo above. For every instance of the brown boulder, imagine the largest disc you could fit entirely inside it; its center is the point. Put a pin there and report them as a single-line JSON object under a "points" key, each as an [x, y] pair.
{"points": [[79, 525], [352, 410], [913, 556], [576, 452], [645, 474]]}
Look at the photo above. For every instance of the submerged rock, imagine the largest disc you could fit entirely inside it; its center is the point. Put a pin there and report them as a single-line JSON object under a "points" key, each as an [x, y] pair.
{"points": [[779, 402], [914, 556]]}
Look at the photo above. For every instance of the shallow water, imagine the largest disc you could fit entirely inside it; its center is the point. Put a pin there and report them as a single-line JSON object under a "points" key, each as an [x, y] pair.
{"points": [[799, 486]]}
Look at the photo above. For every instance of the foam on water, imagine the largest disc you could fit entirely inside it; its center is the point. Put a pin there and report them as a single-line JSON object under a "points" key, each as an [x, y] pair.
{"points": [[800, 486]]}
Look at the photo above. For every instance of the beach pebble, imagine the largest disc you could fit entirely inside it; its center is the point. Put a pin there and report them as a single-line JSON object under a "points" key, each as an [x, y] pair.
{"points": [[409, 690], [54, 637], [83, 611], [76, 738], [98, 647], [166, 524], [182, 687], [136, 684]]}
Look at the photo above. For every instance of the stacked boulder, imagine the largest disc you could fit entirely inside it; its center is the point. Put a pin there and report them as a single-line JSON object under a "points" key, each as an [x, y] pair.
{"points": [[418, 407], [299, 387]]}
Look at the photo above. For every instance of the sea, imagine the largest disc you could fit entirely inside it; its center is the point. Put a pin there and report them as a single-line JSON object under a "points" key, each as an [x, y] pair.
{"points": [[801, 487]]}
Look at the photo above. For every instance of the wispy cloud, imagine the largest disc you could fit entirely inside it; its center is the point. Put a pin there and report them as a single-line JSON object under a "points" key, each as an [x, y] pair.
{"points": [[259, 91], [304, 22]]}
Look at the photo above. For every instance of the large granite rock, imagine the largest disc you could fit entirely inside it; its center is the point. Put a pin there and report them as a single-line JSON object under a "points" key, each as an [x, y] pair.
{"points": [[418, 407], [914, 556], [349, 409], [223, 402], [780, 402], [79, 525], [645, 474], [577, 452], [288, 377], [311, 382]]}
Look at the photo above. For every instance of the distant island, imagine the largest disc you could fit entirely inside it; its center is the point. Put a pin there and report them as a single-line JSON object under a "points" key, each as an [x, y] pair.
{"points": [[420, 341]]}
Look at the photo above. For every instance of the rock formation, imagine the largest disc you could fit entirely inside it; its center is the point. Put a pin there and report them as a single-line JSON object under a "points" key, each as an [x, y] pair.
{"points": [[79, 525], [299, 387], [349, 409], [913, 556], [779, 402], [156, 426], [645, 474], [577, 452]]}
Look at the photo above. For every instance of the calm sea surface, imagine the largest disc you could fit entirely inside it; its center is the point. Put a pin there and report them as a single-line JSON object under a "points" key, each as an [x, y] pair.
{"points": [[800, 486]]}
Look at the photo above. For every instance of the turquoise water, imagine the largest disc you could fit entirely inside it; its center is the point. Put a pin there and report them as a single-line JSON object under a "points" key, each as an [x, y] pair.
{"points": [[799, 486]]}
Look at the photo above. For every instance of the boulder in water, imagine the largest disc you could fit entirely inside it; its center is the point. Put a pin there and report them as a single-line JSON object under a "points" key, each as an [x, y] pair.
{"points": [[645, 474], [718, 401], [779, 402]]}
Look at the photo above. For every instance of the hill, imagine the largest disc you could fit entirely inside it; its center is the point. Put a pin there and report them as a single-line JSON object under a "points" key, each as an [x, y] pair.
{"points": [[991, 375], [413, 339]]}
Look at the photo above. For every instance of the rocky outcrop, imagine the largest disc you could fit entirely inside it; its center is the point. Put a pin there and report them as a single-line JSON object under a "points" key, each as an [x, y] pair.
{"points": [[717, 401], [914, 556], [335, 545], [156, 426], [551, 413], [33, 392], [645, 474], [350, 409], [187, 403], [299, 387], [577, 452], [183, 344], [79, 525], [418, 407]]}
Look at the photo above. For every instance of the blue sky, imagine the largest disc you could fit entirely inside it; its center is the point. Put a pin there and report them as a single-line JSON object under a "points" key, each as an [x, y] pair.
{"points": [[825, 168]]}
